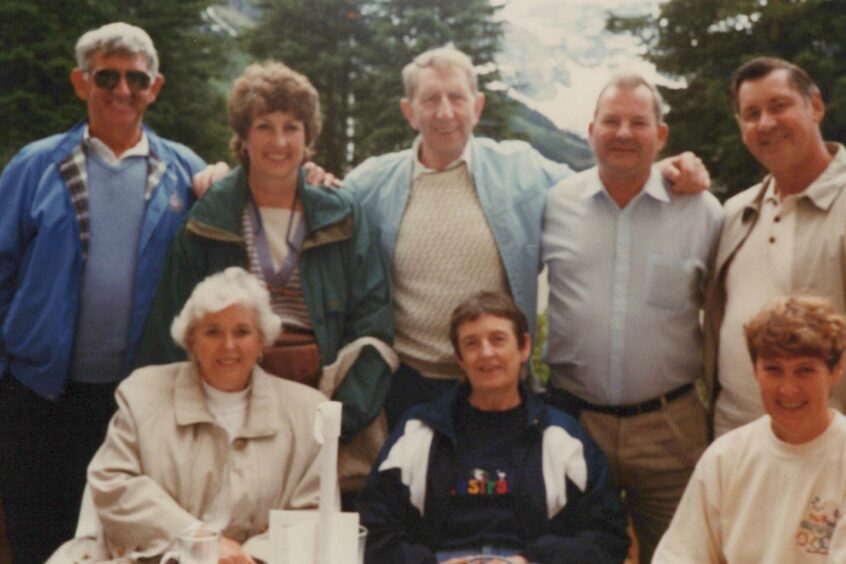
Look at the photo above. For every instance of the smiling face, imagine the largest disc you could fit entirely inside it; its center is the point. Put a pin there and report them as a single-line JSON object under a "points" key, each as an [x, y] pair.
{"points": [[115, 112], [226, 345], [779, 126], [444, 109], [276, 144], [795, 393], [625, 134], [491, 357]]}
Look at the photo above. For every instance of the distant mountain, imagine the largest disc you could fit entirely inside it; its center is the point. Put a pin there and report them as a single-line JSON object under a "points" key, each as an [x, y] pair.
{"points": [[550, 141], [531, 74], [556, 56]]}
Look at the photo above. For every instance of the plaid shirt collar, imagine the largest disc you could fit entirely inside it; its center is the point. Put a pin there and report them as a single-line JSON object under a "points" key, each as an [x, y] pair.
{"points": [[75, 175]]}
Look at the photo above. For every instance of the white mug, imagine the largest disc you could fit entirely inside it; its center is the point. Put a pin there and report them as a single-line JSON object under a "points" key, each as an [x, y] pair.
{"points": [[197, 545]]}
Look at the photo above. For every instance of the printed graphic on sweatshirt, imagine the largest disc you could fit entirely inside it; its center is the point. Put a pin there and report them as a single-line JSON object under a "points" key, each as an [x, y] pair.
{"points": [[484, 482], [817, 528]]}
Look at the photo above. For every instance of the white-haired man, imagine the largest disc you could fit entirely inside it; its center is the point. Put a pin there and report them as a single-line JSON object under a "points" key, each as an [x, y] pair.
{"points": [[86, 220], [628, 261], [457, 214]]}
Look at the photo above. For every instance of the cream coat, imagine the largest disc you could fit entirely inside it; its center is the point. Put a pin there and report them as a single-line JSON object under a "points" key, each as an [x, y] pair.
{"points": [[164, 461]]}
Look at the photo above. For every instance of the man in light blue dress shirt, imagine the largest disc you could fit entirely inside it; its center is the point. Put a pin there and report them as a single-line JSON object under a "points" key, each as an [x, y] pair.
{"points": [[628, 260]]}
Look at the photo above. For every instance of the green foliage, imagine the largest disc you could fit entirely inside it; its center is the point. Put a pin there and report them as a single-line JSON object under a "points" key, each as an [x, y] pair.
{"points": [[705, 41], [354, 51], [402, 29], [188, 109], [317, 38], [37, 54], [539, 368]]}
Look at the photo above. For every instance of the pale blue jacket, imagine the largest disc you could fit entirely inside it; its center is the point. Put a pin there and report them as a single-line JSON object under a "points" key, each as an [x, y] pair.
{"points": [[511, 181], [41, 258]]}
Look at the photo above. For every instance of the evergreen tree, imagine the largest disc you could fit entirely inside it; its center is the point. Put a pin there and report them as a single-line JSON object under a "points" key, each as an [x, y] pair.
{"points": [[37, 54], [318, 39], [354, 51], [705, 41], [36, 57], [402, 29], [191, 107]]}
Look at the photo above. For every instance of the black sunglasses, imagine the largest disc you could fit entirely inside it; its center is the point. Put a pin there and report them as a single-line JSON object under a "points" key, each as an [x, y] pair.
{"points": [[137, 80]]}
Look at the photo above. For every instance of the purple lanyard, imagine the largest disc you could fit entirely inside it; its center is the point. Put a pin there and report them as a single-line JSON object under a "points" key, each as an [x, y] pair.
{"points": [[277, 278]]}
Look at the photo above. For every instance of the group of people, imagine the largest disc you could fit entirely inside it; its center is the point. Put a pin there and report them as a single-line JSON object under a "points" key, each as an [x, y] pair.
{"points": [[412, 291]]}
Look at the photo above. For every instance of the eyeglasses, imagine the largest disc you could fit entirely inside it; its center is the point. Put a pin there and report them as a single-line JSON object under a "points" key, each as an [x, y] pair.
{"points": [[137, 81]]}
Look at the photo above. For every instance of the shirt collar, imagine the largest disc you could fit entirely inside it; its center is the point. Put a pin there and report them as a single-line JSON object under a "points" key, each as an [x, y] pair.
{"points": [[140, 149], [821, 192], [420, 168], [262, 401], [827, 186], [771, 197], [769, 192], [654, 187]]}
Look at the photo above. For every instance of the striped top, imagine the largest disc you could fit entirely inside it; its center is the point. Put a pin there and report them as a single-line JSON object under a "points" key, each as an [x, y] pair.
{"points": [[287, 302]]}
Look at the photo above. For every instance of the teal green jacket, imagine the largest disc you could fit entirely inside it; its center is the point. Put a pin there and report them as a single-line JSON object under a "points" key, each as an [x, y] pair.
{"points": [[345, 281]]}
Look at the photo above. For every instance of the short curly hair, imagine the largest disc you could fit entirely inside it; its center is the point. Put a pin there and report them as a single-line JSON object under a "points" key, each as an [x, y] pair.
{"points": [[233, 286], [271, 87], [487, 303], [797, 326]]}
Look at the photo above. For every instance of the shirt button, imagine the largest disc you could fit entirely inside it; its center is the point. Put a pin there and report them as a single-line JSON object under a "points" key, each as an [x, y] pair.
{"points": [[777, 218], [239, 444], [772, 239]]}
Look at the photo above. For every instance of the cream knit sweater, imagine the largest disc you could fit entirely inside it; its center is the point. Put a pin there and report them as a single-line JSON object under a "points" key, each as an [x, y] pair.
{"points": [[445, 253]]}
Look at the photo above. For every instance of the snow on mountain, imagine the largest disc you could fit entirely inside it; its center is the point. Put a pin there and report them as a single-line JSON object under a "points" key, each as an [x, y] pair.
{"points": [[557, 55]]}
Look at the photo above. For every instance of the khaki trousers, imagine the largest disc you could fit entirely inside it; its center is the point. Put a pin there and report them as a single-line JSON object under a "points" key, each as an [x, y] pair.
{"points": [[651, 457]]}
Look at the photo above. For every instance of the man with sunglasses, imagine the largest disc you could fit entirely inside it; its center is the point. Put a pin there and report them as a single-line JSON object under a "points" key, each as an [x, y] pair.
{"points": [[86, 220]]}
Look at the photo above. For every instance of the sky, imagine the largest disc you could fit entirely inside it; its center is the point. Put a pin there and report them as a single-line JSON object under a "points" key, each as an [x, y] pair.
{"points": [[573, 33]]}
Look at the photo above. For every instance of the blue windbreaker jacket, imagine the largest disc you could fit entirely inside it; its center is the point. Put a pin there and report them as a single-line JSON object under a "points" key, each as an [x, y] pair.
{"points": [[41, 259]]}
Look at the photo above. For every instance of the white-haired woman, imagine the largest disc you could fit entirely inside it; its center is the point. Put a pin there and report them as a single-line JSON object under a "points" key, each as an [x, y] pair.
{"points": [[213, 441]]}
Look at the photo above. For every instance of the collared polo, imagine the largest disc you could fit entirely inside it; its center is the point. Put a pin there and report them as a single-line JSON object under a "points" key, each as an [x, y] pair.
{"points": [[419, 168], [626, 287], [140, 149], [809, 254], [767, 258]]}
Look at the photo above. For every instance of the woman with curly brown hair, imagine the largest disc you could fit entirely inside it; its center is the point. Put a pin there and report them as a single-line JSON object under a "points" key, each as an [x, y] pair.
{"points": [[310, 245], [773, 489]]}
